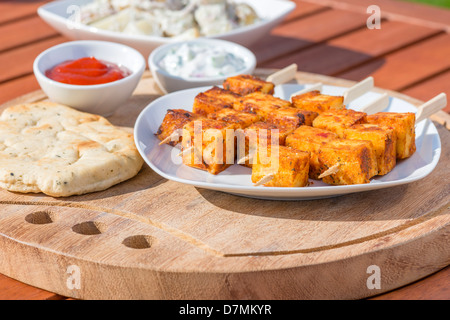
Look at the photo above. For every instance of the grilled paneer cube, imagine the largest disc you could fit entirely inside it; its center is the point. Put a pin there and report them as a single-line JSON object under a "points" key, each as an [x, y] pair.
{"points": [[292, 117], [310, 139], [208, 144], [213, 100], [355, 161], [287, 167], [404, 126], [245, 84], [317, 102], [384, 141], [265, 130], [261, 134], [173, 123], [339, 120], [241, 119], [261, 104]]}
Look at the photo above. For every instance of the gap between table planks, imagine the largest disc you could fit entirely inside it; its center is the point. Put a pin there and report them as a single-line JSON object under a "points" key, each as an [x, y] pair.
{"points": [[157, 239]]}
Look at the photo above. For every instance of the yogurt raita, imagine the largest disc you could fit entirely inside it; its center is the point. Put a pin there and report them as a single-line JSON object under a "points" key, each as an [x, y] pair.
{"points": [[201, 61]]}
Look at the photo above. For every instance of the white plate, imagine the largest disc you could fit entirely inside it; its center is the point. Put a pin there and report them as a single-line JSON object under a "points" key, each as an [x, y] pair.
{"points": [[60, 15], [236, 179]]}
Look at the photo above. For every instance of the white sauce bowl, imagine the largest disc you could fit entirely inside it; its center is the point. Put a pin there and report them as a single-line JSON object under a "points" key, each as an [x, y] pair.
{"points": [[171, 83]]}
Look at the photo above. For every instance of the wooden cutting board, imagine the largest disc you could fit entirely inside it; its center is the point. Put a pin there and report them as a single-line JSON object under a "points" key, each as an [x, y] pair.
{"points": [[151, 238]]}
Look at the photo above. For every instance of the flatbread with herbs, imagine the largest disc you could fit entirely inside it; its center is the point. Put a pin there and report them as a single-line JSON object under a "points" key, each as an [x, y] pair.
{"points": [[54, 149]]}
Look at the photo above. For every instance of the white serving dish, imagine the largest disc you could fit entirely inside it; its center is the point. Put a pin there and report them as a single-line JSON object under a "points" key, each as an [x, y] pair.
{"points": [[170, 83], [236, 179], [102, 99], [60, 15]]}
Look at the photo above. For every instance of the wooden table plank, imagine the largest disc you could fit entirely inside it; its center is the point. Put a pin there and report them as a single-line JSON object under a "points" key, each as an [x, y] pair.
{"points": [[429, 88], [436, 287], [406, 11], [23, 58], [342, 53], [299, 34], [11, 289], [12, 10], [18, 87], [24, 31], [408, 67], [303, 9]]}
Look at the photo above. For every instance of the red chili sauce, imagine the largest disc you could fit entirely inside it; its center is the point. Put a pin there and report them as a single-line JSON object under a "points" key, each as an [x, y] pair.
{"points": [[87, 71]]}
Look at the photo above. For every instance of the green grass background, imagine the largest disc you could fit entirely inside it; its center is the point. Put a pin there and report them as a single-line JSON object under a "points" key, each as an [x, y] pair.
{"points": [[438, 3]]}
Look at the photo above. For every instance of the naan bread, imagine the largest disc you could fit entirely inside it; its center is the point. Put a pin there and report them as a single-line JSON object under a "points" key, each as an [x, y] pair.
{"points": [[51, 148]]}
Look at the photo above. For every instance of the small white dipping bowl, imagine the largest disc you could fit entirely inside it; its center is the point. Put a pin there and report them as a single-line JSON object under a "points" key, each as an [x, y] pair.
{"points": [[169, 83], [102, 99]]}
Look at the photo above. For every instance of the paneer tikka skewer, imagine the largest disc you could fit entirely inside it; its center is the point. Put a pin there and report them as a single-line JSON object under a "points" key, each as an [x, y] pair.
{"points": [[350, 140]]}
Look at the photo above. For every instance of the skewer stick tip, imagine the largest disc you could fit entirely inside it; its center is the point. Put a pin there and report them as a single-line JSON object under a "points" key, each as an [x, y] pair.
{"points": [[432, 106], [331, 170], [377, 105], [284, 75], [248, 157], [167, 139], [185, 151], [358, 90], [174, 135], [243, 159], [264, 180]]}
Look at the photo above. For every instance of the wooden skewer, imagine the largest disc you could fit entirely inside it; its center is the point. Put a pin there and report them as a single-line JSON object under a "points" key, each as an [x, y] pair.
{"points": [[315, 86], [167, 139], [248, 157], [264, 180], [331, 170], [350, 94], [185, 151], [432, 106], [378, 105], [284, 75], [243, 159], [173, 136], [358, 90]]}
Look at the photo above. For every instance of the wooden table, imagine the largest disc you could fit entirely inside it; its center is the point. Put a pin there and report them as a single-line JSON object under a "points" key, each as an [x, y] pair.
{"points": [[409, 54]]}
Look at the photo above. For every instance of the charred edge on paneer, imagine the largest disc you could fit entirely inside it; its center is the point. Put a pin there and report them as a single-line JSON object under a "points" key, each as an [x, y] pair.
{"points": [[292, 117], [245, 84], [262, 133], [215, 153], [356, 158], [384, 141], [310, 139], [338, 120], [241, 119], [288, 166], [260, 104], [173, 121], [318, 102], [404, 126], [213, 100]]}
